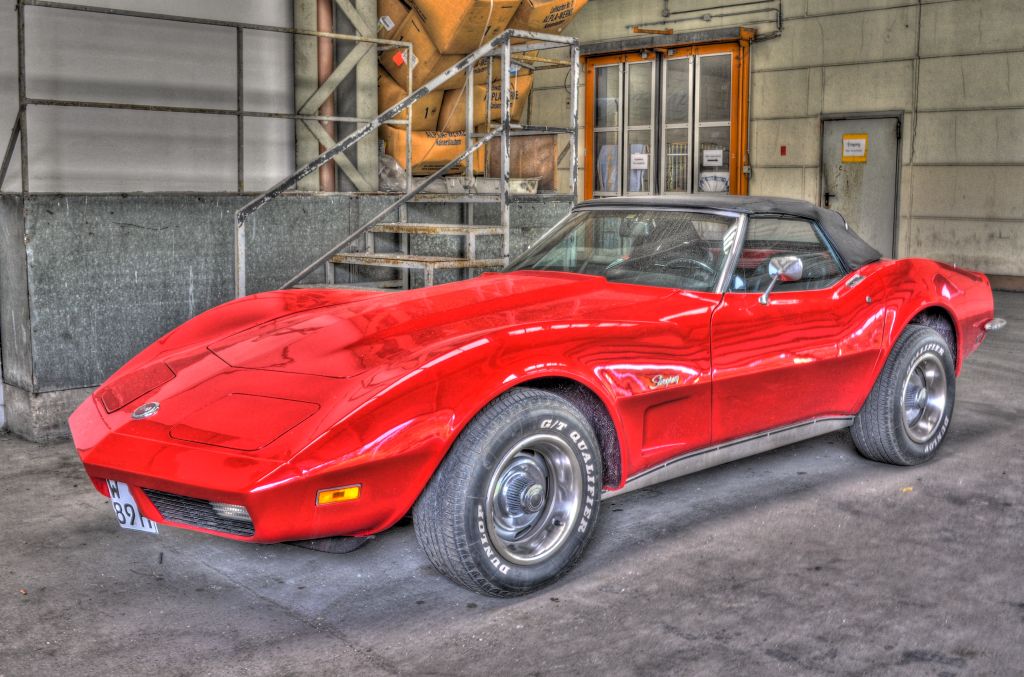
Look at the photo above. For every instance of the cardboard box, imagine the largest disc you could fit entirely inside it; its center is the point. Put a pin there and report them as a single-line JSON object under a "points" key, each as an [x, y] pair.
{"points": [[425, 55], [461, 26], [390, 15], [546, 16], [453, 109], [430, 150], [532, 156], [429, 64], [424, 112]]}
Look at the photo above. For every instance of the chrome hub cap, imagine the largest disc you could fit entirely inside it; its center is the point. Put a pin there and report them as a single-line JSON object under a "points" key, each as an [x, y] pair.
{"points": [[533, 499], [924, 398]]}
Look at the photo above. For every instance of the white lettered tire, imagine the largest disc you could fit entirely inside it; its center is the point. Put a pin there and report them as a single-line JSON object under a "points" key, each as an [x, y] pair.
{"points": [[515, 501], [907, 414]]}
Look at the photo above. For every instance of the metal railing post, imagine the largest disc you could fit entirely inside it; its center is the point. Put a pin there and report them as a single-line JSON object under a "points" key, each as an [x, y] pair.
{"points": [[403, 211], [469, 119], [239, 106], [506, 144], [239, 257], [574, 121]]}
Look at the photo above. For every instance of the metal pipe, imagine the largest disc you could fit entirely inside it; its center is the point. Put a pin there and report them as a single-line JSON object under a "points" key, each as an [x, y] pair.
{"points": [[707, 16], [698, 10], [324, 68], [183, 109]]}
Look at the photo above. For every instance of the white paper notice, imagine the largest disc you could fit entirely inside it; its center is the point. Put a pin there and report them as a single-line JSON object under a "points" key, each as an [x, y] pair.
{"points": [[855, 147], [639, 161], [713, 158]]}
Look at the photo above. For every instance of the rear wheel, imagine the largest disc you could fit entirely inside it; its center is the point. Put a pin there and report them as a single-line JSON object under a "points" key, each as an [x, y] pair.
{"points": [[514, 503], [907, 414]]}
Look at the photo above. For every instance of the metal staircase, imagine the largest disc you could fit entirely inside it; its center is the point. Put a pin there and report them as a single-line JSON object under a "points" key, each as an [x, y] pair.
{"points": [[393, 220]]}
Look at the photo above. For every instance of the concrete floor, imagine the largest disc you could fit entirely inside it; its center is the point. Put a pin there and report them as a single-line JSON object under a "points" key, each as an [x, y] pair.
{"points": [[806, 560]]}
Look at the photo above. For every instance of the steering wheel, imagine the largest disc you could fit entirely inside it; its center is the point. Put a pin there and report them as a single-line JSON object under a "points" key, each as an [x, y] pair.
{"points": [[687, 262]]}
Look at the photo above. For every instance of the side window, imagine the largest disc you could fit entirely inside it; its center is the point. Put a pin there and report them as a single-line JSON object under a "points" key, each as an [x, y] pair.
{"points": [[768, 237]]}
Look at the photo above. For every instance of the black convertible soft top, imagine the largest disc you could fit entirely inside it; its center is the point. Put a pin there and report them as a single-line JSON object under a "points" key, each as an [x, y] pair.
{"points": [[853, 251]]}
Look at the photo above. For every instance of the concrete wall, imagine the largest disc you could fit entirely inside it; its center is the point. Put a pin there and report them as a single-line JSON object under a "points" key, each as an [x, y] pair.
{"points": [[86, 281], [123, 60], [955, 68]]}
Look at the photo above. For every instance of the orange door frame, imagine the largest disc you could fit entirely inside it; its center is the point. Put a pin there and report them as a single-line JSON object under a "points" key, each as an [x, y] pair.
{"points": [[738, 152]]}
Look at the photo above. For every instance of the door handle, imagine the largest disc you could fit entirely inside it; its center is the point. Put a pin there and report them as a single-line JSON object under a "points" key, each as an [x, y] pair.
{"points": [[828, 198]]}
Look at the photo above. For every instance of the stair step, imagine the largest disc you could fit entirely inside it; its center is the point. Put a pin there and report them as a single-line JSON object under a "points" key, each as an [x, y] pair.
{"points": [[437, 229], [375, 285], [472, 198], [400, 260]]}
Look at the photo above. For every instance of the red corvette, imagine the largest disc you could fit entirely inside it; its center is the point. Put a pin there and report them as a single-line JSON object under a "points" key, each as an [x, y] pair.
{"points": [[638, 340]]}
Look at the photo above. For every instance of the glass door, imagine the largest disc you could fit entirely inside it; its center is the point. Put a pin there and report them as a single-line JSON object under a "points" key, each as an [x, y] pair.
{"points": [[714, 122], [677, 114], [662, 121], [638, 163], [607, 124]]}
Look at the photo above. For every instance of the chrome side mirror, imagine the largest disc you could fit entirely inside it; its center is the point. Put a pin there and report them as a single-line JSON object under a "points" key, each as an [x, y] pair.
{"points": [[782, 269]]}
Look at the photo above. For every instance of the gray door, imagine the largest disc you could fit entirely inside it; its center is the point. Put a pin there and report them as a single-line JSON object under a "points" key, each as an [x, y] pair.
{"points": [[860, 165]]}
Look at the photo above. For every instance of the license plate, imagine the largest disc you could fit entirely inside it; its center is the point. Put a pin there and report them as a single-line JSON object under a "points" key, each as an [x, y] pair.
{"points": [[126, 510]]}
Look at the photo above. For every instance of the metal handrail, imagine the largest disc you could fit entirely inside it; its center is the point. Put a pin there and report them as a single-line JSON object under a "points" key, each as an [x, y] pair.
{"points": [[359, 232], [501, 42]]}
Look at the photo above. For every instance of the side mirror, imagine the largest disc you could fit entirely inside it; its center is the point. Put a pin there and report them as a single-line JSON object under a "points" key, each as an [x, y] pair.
{"points": [[782, 269]]}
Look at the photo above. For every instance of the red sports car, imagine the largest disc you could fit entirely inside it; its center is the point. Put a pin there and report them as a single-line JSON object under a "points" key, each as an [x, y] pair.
{"points": [[638, 340]]}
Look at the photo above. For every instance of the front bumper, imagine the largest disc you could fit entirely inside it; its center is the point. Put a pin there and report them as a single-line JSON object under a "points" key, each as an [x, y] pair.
{"points": [[176, 483]]}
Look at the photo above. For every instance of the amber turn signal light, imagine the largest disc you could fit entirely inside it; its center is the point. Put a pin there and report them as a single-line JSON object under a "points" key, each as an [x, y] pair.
{"points": [[338, 495]]}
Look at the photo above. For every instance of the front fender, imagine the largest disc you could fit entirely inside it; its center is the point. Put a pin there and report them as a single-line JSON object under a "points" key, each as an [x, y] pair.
{"points": [[409, 425]]}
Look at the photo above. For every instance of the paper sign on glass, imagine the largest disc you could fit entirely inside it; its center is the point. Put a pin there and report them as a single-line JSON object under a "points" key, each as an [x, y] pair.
{"points": [[639, 161], [713, 158]]}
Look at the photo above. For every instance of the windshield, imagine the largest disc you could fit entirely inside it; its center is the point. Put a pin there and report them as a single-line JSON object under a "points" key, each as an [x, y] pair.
{"points": [[656, 247]]}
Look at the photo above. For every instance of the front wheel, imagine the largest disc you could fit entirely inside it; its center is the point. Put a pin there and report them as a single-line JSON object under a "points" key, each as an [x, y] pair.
{"points": [[514, 503], [907, 414]]}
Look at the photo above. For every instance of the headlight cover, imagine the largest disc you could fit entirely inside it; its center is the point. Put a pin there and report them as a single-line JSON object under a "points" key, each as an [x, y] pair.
{"points": [[129, 387]]}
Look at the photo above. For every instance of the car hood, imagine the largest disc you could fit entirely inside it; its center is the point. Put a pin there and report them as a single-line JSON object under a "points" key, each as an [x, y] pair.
{"points": [[344, 340]]}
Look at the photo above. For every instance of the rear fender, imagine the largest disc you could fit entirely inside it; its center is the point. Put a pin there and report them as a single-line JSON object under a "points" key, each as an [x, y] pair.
{"points": [[923, 291]]}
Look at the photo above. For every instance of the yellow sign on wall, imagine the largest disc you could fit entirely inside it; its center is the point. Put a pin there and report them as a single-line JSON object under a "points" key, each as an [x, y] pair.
{"points": [[855, 147]]}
